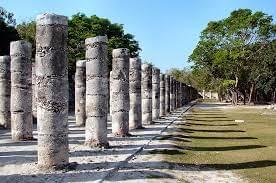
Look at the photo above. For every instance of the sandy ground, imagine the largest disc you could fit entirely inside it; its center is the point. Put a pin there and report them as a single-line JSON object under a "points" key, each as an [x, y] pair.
{"points": [[146, 167], [128, 160]]}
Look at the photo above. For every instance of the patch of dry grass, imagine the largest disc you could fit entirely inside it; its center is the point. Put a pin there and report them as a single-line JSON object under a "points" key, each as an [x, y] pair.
{"points": [[248, 149]]}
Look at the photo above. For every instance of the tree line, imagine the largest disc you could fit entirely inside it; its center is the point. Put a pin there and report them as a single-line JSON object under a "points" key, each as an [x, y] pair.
{"points": [[80, 27], [236, 56]]}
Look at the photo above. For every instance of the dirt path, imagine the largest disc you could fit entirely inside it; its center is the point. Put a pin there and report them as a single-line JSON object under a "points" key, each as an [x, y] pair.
{"points": [[151, 164], [18, 159]]}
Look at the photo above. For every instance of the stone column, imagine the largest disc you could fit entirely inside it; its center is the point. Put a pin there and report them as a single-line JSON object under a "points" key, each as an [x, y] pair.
{"points": [[135, 111], [110, 96], [171, 94], [80, 92], [176, 94], [155, 93], [162, 95], [120, 92], [96, 92], [34, 94], [5, 92], [52, 91], [179, 94], [21, 90], [167, 93], [146, 89]]}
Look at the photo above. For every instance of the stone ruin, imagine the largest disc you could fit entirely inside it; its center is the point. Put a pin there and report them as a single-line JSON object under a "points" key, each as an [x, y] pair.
{"points": [[138, 92]]}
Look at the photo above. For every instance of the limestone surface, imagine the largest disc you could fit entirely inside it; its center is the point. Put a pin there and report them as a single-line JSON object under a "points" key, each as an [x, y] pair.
{"points": [[96, 92], [120, 92], [146, 89], [5, 92], [21, 90], [162, 95], [135, 110], [34, 93], [155, 93], [80, 89], [167, 93], [52, 91], [171, 94]]}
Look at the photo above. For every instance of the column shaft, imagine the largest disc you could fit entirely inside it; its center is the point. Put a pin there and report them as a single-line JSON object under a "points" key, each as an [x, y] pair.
{"points": [[80, 92], [52, 91], [162, 95], [5, 92], [96, 92], [155, 93], [21, 90], [146, 86], [167, 93], [120, 92], [135, 111]]}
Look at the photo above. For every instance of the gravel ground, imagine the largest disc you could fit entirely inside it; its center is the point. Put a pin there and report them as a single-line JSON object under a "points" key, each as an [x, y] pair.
{"points": [[146, 167], [18, 159], [128, 160]]}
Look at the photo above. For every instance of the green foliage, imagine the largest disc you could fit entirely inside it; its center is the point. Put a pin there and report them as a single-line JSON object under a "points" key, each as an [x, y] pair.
{"points": [[236, 49], [228, 83], [8, 32], [81, 27], [27, 32]]}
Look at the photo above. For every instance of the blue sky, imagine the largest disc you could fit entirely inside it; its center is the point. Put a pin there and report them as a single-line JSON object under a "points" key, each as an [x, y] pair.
{"points": [[167, 30]]}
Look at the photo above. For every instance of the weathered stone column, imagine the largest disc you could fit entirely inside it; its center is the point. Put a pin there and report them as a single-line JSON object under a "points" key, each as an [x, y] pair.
{"points": [[171, 94], [155, 93], [52, 91], [34, 94], [21, 90], [180, 94], [5, 92], [185, 94], [167, 93], [80, 92], [175, 93], [162, 95], [146, 89], [120, 92], [135, 110], [96, 92], [110, 92]]}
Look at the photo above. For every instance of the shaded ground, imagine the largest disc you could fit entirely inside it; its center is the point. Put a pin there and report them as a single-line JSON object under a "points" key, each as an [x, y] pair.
{"points": [[18, 159], [203, 145], [209, 146]]}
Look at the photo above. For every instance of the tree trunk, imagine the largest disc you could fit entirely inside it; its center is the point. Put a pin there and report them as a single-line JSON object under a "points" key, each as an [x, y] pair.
{"points": [[244, 97], [251, 95], [235, 93], [274, 96]]}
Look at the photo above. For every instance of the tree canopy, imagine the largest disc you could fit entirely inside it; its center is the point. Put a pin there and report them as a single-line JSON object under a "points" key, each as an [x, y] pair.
{"points": [[8, 32], [238, 51], [81, 27]]}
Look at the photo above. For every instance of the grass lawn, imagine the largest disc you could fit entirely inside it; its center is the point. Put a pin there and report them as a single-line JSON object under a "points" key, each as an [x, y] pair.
{"points": [[217, 141]]}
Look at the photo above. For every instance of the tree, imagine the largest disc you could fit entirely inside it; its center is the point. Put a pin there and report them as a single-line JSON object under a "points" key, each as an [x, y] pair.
{"points": [[27, 31], [227, 47], [8, 32], [81, 27]]}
